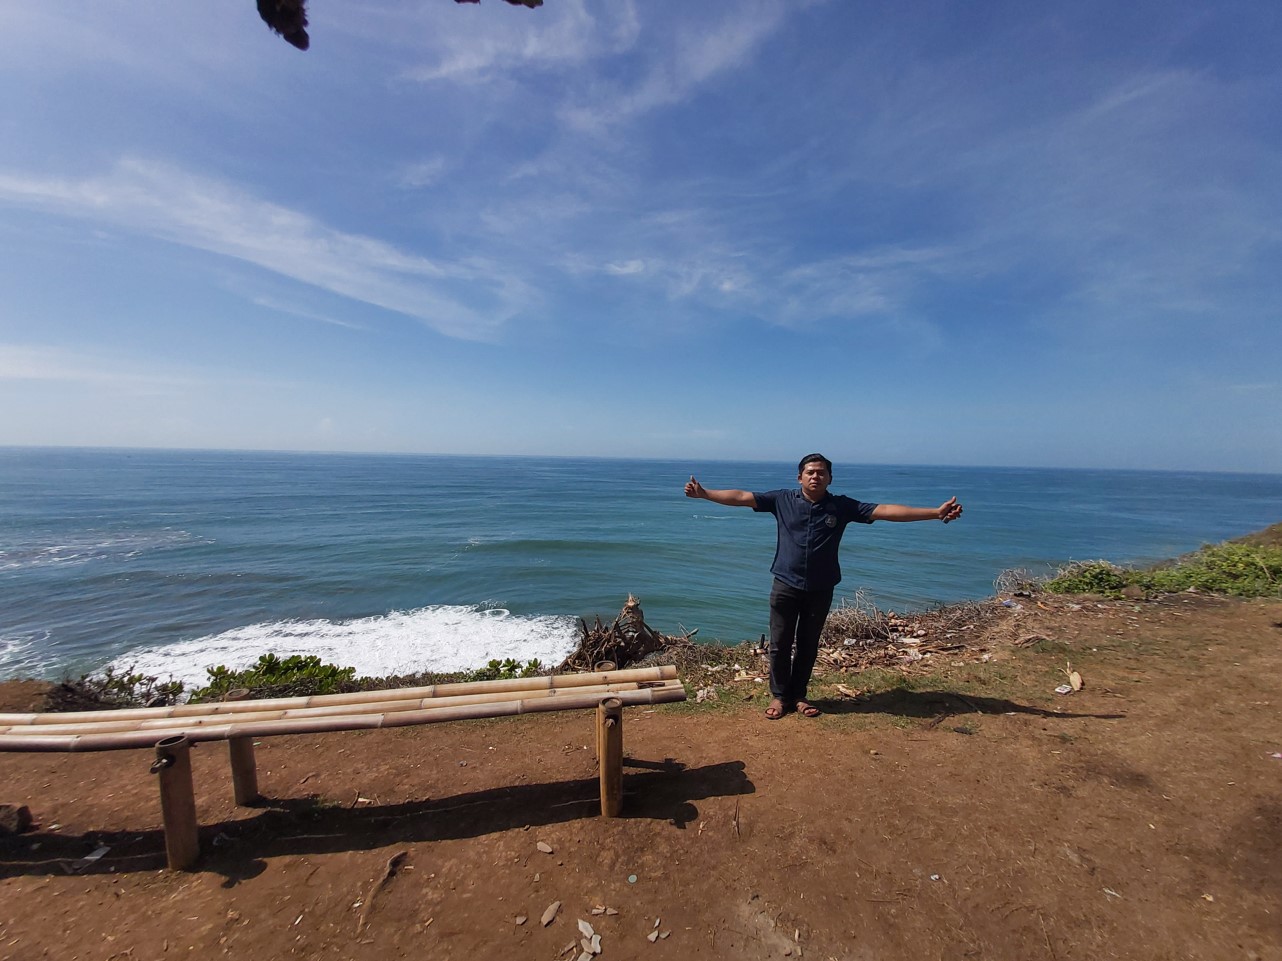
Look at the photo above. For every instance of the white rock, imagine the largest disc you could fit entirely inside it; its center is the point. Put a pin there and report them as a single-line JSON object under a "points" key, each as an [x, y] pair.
{"points": [[550, 913]]}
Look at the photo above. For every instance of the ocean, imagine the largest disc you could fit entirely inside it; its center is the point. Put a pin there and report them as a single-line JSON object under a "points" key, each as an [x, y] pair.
{"points": [[172, 561]]}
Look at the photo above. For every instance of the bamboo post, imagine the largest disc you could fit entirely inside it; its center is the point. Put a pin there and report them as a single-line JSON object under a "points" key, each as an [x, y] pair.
{"points": [[609, 747], [177, 801], [240, 752]]}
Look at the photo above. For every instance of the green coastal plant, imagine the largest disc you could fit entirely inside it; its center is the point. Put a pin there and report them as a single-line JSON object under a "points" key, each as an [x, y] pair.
{"points": [[1242, 570], [504, 670], [1233, 568], [111, 689], [1090, 577], [272, 676]]}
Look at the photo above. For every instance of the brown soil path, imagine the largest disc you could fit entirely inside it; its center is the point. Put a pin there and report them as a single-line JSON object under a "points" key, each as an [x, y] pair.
{"points": [[971, 814]]}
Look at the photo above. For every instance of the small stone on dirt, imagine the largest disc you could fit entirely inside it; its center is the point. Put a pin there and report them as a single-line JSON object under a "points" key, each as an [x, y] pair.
{"points": [[550, 913], [14, 818], [544, 847]]}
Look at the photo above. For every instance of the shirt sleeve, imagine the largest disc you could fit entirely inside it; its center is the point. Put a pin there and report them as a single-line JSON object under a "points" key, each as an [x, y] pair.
{"points": [[766, 501], [858, 512]]}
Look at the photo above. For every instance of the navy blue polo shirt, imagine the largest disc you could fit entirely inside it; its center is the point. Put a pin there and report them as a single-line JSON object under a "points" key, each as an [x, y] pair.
{"points": [[809, 535]]}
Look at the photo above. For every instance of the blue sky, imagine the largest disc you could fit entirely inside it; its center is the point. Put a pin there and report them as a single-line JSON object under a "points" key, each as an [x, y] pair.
{"points": [[995, 233]]}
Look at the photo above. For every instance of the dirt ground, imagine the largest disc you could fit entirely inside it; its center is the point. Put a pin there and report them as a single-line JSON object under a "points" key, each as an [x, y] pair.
{"points": [[965, 811]]}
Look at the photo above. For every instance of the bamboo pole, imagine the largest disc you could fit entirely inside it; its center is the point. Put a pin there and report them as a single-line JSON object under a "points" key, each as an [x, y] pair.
{"points": [[177, 802], [609, 726], [379, 707], [240, 754], [667, 692], [638, 675]]}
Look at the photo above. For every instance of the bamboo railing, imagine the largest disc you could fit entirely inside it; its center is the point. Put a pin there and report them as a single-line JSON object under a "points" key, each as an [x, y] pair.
{"points": [[247, 715], [110, 737], [556, 682], [171, 731]]}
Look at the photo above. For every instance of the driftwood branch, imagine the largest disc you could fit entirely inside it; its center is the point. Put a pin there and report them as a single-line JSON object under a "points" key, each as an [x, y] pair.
{"points": [[627, 640]]}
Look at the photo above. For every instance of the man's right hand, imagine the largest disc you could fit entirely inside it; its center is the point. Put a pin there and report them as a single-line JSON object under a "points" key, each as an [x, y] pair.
{"points": [[695, 489]]}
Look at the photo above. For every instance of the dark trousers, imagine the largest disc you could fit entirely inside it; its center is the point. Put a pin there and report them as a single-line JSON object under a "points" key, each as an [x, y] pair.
{"points": [[796, 621]]}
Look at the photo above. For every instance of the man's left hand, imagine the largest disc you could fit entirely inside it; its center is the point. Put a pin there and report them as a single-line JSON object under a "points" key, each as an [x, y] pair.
{"points": [[950, 510]]}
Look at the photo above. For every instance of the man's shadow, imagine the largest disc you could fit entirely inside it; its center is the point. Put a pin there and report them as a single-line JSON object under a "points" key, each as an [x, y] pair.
{"points": [[941, 704], [660, 790]]}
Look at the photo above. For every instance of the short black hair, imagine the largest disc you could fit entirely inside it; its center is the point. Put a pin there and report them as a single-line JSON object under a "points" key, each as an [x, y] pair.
{"points": [[801, 465]]}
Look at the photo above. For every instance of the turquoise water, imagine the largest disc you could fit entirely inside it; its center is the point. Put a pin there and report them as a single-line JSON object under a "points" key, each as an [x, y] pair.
{"points": [[174, 560]]}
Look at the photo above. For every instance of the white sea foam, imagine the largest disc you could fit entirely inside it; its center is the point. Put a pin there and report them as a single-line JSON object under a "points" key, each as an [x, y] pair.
{"points": [[20, 655], [91, 545], [440, 638]]}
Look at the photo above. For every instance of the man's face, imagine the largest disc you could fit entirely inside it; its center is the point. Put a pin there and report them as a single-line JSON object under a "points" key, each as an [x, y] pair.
{"points": [[814, 479]]}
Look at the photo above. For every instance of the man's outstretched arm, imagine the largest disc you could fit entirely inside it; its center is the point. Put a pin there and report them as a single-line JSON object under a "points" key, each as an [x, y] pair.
{"points": [[729, 498], [950, 510]]}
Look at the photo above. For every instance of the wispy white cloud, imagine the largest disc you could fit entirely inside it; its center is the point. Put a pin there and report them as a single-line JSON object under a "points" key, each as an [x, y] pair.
{"points": [[698, 52], [1130, 191], [425, 173], [1136, 196], [477, 44], [37, 362], [464, 300], [273, 303]]}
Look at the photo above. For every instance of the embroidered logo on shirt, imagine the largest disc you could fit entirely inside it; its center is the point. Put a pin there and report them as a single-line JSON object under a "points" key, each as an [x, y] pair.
{"points": [[831, 520]]}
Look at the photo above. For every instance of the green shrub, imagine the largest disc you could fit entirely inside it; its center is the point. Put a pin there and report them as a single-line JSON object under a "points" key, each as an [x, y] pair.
{"points": [[504, 670], [1090, 577], [111, 690], [293, 676], [1241, 570]]}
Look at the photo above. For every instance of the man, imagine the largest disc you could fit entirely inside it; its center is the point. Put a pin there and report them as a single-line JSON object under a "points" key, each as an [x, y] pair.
{"points": [[810, 524]]}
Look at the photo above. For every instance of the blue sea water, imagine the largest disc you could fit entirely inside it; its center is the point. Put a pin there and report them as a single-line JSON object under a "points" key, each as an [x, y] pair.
{"points": [[172, 561]]}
